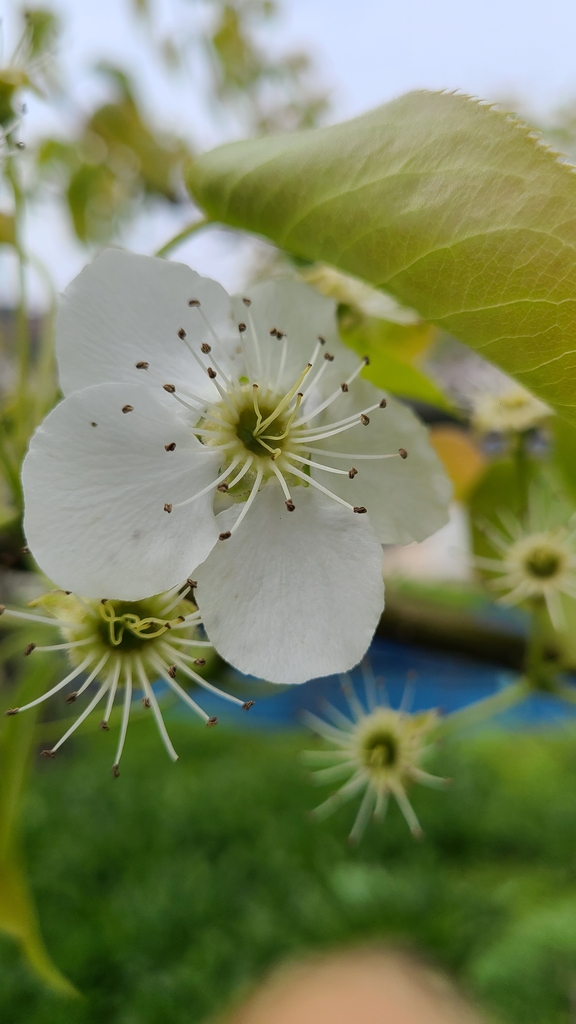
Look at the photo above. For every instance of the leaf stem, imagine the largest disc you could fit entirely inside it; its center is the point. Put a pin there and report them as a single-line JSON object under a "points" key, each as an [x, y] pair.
{"points": [[182, 236]]}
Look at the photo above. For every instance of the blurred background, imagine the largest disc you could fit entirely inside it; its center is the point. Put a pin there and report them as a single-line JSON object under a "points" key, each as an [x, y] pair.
{"points": [[171, 894]]}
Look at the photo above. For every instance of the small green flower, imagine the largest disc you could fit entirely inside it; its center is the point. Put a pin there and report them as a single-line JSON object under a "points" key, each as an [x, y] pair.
{"points": [[378, 752], [124, 645], [512, 411]]}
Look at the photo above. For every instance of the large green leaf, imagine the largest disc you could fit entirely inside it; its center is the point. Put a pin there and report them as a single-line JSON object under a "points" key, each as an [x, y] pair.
{"points": [[452, 206]]}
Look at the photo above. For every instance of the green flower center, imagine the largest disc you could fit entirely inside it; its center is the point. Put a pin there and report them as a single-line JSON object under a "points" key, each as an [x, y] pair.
{"points": [[543, 562], [380, 750], [249, 430], [128, 625]]}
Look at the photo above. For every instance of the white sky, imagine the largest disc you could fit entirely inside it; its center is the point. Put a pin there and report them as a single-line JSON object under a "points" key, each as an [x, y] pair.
{"points": [[366, 51]]}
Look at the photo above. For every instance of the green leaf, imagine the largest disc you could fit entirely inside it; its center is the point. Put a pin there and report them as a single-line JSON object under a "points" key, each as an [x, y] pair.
{"points": [[452, 206], [17, 914], [383, 342]]}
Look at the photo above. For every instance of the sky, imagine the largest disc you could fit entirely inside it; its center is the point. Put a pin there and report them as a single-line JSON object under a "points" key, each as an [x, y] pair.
{"points": [[366, 52]]}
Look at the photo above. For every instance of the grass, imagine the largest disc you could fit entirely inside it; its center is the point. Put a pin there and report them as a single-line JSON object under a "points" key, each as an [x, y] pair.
{"points": [[165, 894]]}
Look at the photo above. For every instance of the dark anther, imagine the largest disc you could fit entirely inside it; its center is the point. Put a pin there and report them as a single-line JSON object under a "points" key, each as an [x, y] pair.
{"points": [[344, 387], [247, 302], [383, 404], [329, 357], [211, 373], [402, 453], [143, 365], [182, 334], [71, 697], [366, 361], [12, 711], [181, 617], [93, 424], [127, 408], [273, 332], [147, 703], [167, 507], [321, 339], [172, 671], [352, 473], [29, 650], [20, 145], [223, 487], [48, 753], [280, 335], [104, 726], [359, 509], [290, 505], [170, 447], [67, 592], [115, 771], [200, 661], [212, 721], [167, 625], [104, 600], [25, 551], [224, 536], [248, 704], [205, 348], [364, 419], [192, 583], [170, 388], [241, 328], [194, 302]]}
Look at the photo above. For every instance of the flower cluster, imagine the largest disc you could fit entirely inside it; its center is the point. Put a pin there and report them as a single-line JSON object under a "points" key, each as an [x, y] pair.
{"points": [[514, 410], [198, 434]]}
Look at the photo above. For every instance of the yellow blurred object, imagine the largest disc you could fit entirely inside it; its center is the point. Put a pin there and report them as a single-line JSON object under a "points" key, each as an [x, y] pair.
{"points": [[359, 987], [461, 456]]}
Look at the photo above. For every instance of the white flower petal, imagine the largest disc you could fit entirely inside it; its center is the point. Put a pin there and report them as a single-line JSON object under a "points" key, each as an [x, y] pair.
{"points": [[292, 595], [296, 310], [95, 482], [123, 309], [407, 499]]}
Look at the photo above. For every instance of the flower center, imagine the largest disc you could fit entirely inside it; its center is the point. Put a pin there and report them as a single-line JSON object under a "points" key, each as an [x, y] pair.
{"points": [[380, 750], [543, 562], [128, 626]]}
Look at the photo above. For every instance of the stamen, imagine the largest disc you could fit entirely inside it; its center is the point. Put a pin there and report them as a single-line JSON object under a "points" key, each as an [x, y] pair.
{"points": [[347, 455], [408, 812], [29, 617], [87, 710], [89, 679], [180, 597], [190, 643], [358, 417], [364, 811], [198, 306], [180, 691], [151, 696], [63, 682], [289, 503], [282, 364], [256, 344], [284, 401], [61, 647], [249, 501], [125, 718], [336, 394], [312, 384], [280, 437], [211, 486], [200, 679], [242, 472], [319, 487], [256, 407], [222, 392], [111, 695], [318, 465]]}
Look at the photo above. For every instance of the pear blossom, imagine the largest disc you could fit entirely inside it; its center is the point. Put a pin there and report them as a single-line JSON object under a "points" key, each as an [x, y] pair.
{"points": [[511, 410], [537, 561], [232, 438], [123, 647], [378, 754]]}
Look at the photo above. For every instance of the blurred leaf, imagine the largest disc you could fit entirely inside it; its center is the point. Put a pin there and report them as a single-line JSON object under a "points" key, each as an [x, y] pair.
{"points": [[17, 913], [7, 229], [452, 206], [387, 345], [462, 458]]}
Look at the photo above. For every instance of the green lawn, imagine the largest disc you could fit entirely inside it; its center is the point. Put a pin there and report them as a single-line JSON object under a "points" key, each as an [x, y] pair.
{"points": [[166, 893]]}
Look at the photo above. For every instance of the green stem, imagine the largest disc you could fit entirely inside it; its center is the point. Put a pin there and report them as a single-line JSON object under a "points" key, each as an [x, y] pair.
{"points": [[182, 236], [540, 670], [487, 707], [22, 322], [522, 463]]}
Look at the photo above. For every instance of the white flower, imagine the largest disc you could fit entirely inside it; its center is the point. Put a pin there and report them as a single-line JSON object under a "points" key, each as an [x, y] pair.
{"points": [[378, 752], [123, 646], [536, 562], [177, 394], [513, 410], [354, 292]]}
